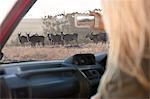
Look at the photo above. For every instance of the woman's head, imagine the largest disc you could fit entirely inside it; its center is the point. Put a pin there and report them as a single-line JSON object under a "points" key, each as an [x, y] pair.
{"points": [[128, 25]]}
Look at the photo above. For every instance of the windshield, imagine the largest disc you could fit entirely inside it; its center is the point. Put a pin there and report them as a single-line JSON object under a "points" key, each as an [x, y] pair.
{"points": [[48, 32]]}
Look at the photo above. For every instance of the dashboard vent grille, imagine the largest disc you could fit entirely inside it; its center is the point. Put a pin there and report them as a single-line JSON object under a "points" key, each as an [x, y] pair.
{"points": [[2, 72], [92, 74], [36, 67]]}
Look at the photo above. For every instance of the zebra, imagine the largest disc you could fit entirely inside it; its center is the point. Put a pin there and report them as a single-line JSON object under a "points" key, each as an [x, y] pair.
{"points": [[66, 38], [104, 37], [55, 39], [36, 39], [22, 39], [101, 37]]}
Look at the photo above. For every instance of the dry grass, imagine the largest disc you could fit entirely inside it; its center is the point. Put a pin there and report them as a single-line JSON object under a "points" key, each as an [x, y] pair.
{"points": [[49, 52]]}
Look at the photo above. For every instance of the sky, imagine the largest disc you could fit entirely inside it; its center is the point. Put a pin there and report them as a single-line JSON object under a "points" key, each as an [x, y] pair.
{"points": [[51, 7]]}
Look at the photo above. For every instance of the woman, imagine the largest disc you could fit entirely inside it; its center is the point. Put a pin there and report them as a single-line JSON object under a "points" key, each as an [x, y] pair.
{"points": [[127, 75]]}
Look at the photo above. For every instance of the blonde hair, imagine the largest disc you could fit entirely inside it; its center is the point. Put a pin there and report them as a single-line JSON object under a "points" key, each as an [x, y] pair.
{"points": [[128, 25]]}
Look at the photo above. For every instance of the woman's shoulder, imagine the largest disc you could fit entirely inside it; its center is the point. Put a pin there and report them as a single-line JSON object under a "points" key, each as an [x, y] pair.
{"points": [[121, 85]]}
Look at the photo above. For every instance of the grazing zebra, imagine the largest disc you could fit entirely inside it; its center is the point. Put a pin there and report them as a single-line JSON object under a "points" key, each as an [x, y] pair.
{"points": [[49, 38], [104, 37], [55, 39], [22, 39], [101, 37], [66, 38], [36, 39]]}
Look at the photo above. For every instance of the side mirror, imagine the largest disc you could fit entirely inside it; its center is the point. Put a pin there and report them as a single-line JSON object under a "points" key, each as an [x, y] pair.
{"points": [[87, 21]]}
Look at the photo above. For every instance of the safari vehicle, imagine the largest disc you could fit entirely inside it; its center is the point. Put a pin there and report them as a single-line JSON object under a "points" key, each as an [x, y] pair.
{"points": [[75, 76]]}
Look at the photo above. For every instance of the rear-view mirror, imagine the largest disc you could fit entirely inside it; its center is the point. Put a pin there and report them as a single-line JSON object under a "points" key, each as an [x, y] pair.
{"points": [[86, 21]]}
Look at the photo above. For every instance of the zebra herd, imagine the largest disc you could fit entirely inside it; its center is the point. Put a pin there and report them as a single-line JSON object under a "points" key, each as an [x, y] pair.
{"points": [[62, 38], [59, 39], [33, 40]]}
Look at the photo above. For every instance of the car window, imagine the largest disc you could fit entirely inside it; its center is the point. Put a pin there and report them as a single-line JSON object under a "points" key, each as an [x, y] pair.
{"points": [[48, 32]]}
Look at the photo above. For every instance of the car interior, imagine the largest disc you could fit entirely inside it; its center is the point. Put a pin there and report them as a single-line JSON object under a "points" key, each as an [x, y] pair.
{"points": [[76, 76]]}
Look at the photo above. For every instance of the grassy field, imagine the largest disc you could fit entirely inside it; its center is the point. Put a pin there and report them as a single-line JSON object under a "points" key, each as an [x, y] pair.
{"points": [[48, 52]]}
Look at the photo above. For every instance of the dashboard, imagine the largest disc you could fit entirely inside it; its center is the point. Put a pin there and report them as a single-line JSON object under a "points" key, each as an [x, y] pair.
{"points": [[75, 77]]}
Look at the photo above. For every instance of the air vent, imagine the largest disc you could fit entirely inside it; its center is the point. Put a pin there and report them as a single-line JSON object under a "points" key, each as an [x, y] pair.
{"points": [[92, 74], [36, 67], [2, 72], [101, 72]]}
